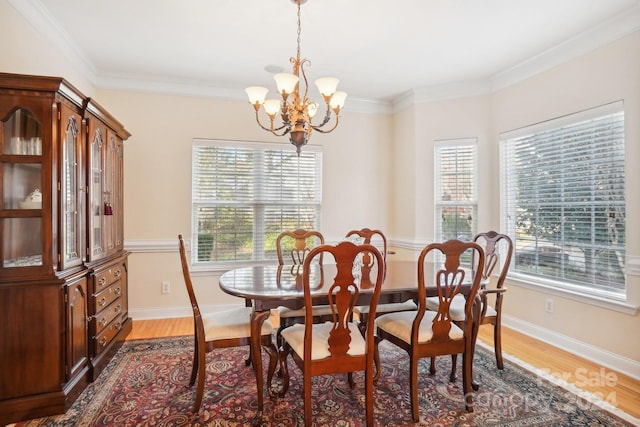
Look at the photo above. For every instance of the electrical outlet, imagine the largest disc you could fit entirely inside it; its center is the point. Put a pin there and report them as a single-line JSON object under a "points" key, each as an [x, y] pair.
{"points": [[548, 305], [166, 287]]}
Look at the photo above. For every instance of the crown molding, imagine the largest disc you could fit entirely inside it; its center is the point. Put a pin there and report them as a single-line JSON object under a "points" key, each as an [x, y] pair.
{"points": [[613, 29], [608, 31], [204, 89]]}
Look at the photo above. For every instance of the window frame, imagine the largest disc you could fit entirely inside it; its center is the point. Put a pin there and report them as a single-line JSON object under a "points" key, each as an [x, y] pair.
{"points": [[439, 202], [554, 285], [258, 203]]}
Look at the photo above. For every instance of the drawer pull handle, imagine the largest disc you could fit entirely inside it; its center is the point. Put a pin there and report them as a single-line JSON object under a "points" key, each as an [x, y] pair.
{"points": [[102, 301], [103, 341], [118, 291], [118, 309], [102, 281], [118, 273], [103, 321], [118, 325]]}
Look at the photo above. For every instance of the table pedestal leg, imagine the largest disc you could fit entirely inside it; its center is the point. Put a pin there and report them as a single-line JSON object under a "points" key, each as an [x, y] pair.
{"points": [[257, 320]]}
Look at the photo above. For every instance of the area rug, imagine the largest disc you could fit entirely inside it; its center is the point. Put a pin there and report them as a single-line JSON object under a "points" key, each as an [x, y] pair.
{"points": [[145, 384]]}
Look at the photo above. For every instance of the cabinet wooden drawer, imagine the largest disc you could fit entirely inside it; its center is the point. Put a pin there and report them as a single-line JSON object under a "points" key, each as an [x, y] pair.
{"points": [[106, 297], [102, 340], [108, 276], [107, 315]]}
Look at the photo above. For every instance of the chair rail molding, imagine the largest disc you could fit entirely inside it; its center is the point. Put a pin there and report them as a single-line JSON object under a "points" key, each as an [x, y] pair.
{"points": [[153, 246]]}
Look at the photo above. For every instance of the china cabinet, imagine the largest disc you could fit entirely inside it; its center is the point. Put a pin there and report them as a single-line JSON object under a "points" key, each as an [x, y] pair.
{"points": [[63, 268]]}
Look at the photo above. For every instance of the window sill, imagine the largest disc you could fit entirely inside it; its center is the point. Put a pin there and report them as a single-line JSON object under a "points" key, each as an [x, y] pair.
{"points": [[554, 288]]}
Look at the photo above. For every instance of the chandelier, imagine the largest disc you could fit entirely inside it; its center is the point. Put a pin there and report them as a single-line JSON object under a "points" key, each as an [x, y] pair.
{"points": [[296, 111]]}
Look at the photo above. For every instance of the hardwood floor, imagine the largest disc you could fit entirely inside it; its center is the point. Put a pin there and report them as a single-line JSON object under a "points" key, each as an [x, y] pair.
{"points": [[617, 389]]}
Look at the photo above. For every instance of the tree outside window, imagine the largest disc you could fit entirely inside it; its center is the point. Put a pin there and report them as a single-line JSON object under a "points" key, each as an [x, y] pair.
{"points": [[245, 194], [564, 184]]}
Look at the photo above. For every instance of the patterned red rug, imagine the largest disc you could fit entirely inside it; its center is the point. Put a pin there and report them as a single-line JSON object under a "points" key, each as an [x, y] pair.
{"points": [[146, 385]]}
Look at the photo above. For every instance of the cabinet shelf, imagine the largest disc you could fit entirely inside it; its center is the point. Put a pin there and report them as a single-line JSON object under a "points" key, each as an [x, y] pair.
{"points": [[20, 213]]}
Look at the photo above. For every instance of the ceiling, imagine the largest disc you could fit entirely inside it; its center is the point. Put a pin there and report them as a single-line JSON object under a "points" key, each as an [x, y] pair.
{"points": [[380, 50]]}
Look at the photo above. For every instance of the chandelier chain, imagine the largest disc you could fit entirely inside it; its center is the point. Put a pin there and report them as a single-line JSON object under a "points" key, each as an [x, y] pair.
{"points": [[299, 30]]}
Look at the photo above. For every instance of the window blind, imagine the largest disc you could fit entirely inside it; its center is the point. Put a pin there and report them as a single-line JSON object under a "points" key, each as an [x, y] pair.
{"points": [[245, 194], [564, 194], [456, 192]]}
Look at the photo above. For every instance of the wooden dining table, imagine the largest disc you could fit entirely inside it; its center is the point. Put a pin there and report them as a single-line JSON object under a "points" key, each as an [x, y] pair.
{"points": [[273, 286]]}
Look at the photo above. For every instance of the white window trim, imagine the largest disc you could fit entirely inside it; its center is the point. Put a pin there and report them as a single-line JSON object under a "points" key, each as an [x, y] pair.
{"points": [[456, 142], [205, 269], [552, 287], [615, 302]]}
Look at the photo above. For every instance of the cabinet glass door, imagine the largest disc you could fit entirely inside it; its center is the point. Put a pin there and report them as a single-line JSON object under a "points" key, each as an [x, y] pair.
{"points": [[70, 201], [109, 194], [118, 195], [21, 182], [96, 194]]}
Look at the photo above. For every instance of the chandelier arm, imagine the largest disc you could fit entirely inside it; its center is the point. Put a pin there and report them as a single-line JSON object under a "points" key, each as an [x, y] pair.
{"points": [[335, 125], [325, 120], [272, 129]]}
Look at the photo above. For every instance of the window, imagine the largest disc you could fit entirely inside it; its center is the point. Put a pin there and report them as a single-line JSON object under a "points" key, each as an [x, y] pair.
{"points": [[456, 189], [564, 194], [244, 194]]}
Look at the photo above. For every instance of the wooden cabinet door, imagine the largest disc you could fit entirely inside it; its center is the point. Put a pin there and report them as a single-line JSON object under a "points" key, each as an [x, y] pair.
{"points": [[77, 350], [30, 340], [25, 180]]}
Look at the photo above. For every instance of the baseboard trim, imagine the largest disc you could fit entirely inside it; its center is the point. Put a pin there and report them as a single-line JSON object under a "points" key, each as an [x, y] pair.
{"points": [[594, 354]]}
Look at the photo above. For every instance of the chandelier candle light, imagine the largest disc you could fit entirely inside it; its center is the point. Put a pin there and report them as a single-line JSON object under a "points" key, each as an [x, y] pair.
{"points": [[296, 112]]}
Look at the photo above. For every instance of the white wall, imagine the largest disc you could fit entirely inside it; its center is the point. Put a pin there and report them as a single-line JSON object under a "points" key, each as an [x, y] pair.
{"points": [[158, 182], [378, 172], [607, 74]]}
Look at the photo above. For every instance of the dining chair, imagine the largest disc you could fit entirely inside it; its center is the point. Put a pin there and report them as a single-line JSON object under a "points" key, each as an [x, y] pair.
{"points": [[498, 250], [361, 312], [337, 346], [425, 333], [297, 244], [220, 329], [292, 247], [378, 239]]}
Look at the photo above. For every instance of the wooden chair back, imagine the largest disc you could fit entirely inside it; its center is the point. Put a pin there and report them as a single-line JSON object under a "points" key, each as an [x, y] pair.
{"points": [[450, 280], [343, 293], [197, 315], [498, 249], [496, 246], [342, 296], [297, 244], [371, 237], [226, 328]]}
